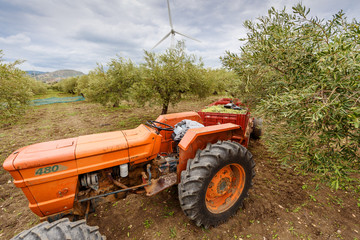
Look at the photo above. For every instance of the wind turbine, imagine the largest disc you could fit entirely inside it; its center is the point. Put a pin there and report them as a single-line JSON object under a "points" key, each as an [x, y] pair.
{"points": [[172, 32]]}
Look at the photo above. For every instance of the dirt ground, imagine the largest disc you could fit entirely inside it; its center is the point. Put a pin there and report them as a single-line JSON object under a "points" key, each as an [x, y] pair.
{"points": [[283, 204]]}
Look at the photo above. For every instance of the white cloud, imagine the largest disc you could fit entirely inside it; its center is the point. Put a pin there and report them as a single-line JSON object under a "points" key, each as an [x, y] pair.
{"points": [[53, 35], [19, 38]]}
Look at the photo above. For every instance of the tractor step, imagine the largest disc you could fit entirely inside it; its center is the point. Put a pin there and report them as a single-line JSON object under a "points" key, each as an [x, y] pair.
{"points": [[161, 183]]}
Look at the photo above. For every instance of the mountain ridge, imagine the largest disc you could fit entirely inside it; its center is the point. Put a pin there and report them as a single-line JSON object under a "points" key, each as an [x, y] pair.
{"points": [[56, 76]]}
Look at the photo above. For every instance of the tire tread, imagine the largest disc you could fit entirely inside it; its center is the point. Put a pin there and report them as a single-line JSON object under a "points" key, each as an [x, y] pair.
{"points": [[197, 172], [61, 229]]}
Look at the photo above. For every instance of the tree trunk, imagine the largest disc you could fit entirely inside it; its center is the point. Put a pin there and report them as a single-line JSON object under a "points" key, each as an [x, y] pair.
{"points": [[116, 103], [165, 108]]}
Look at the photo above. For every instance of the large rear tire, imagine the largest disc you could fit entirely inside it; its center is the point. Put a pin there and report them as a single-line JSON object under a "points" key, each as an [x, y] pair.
{"points": [[215, 183], [257, 129], [59, 230]]}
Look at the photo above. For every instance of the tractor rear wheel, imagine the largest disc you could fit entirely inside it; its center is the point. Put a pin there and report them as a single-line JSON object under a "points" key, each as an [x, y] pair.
{"points": [[257, 129], [61, 229], [215, 183]]}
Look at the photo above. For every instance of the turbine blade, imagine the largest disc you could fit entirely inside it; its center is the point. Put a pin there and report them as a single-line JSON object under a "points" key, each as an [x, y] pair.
{"points": [[167, 35], [187, 36], [171, 25]]}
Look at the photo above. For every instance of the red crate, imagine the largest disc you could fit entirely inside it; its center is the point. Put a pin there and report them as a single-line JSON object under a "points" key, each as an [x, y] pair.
{"points": [[210, 118]]}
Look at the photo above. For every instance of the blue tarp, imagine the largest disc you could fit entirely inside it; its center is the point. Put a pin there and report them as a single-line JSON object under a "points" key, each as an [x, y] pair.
{"points": [[52, 100]]}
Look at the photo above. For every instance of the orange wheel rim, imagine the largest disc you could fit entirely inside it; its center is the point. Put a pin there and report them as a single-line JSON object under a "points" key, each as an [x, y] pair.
{"points": [[225, 188]]}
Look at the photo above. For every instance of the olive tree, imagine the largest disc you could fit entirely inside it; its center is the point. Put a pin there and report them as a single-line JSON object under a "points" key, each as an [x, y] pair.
{"points": [[223, 81], [14, 90], [37, 87], [111, 86], [68, 85], [304, 74], [169, 77]]}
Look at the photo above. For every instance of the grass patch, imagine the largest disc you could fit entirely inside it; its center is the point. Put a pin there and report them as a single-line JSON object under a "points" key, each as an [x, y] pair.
{"points": [[173, 232], [52, 93], [134, 121]]}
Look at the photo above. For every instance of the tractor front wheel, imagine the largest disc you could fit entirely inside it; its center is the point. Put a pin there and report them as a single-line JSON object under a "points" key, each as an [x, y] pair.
{"points": [[61, 229], [215, 183]]}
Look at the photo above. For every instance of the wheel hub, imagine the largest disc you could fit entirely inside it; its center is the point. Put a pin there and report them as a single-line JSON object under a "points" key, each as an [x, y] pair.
{"points": [[221, 182], [225, 188]]}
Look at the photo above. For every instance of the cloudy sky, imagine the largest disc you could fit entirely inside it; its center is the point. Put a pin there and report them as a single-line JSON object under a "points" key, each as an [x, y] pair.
{"points": [[76, 34]]}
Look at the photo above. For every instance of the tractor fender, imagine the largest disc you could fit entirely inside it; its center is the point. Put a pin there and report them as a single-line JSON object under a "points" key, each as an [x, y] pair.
{"points": [[197, 138]]}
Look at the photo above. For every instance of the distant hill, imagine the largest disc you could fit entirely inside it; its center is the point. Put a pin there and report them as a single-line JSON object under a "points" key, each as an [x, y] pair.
{"points": [[56, 76], [34, 73]]}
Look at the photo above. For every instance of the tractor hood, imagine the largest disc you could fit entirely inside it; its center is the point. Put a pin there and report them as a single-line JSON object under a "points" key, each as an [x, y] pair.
{"points": [[42, 154], [101, 143], [52, 152]]}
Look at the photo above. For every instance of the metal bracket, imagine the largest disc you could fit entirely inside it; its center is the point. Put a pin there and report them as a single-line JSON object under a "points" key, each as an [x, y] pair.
{"points": [[161, 183]]}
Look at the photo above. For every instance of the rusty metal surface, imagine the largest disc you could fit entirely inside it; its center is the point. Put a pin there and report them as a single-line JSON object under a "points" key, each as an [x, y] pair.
{"points": [[57, 216], [249, 128], [160, 184], [148, 169], [116, 183]]}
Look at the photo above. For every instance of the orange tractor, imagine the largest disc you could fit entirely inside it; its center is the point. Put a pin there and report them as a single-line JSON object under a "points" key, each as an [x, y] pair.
{"points": [[211, 167]]}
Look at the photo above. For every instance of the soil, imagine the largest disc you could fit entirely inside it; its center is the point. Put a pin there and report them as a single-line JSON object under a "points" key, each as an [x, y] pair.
{"points": [[282, 204]]}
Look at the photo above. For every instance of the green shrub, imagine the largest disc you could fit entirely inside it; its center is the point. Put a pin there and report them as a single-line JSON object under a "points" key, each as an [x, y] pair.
{"points": [[37, 87], [14, 91], [82, 84], [222, 81], [68, 85], [112, 86]]}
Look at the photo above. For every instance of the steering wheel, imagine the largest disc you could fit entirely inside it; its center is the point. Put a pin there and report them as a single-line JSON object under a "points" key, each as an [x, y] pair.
{"points": [[152, 124]]}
